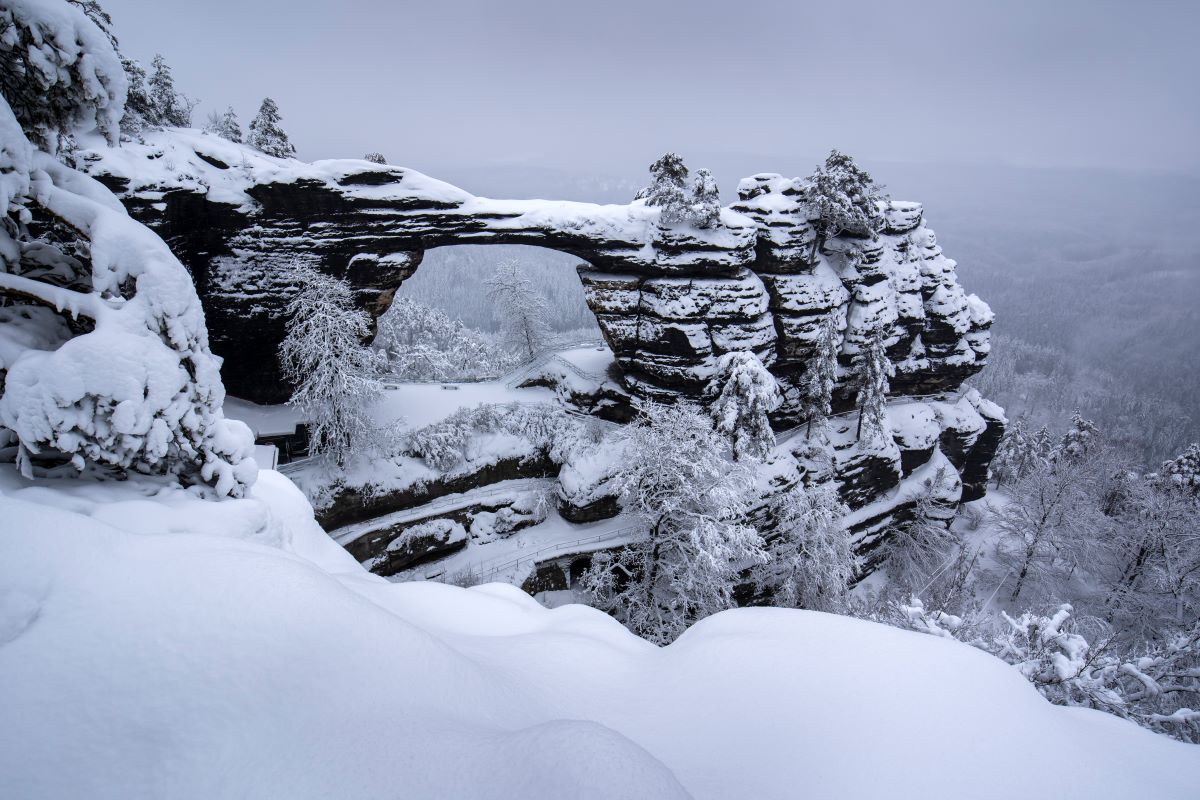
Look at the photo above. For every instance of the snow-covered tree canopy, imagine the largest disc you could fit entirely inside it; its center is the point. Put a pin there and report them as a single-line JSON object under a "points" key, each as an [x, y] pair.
{"points": [[104, 356], [520, 308], [58, 71], [267, 134], [844, 198], [225, 124], [743, 394]]}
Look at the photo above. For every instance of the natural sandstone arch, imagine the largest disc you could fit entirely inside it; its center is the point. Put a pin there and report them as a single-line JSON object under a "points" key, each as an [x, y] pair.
{"points": [[668, 298]]}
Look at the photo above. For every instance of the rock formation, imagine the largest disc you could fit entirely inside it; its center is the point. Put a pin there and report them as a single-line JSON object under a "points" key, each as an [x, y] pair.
{"points": [[669, 299]]}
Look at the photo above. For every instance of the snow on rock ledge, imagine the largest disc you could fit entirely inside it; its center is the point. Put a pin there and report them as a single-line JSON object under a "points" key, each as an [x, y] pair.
{"points": [[669, 298]]}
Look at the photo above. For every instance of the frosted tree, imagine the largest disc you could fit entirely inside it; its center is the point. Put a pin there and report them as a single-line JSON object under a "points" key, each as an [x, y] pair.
{"points": [[1080, 439], [520, 308], [1018, 453], [742, 393], [842, 197], [266, 133], [336, 376], [424, 343], [170, 107], [140, 113], [917, 549], [58, 72], [1051, 525], [689, 499], [669, 190], [706, 200], [225, 124], [375, 158], [820, 377], [1183, 471], [872, 370], [106, 365], [810, 559]]}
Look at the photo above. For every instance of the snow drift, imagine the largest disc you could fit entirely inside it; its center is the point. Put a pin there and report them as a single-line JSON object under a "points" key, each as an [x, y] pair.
{"points": [[153, 644]]}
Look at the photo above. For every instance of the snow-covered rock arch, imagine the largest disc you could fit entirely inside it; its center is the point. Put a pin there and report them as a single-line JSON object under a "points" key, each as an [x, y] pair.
{"points": [[668, 298]]}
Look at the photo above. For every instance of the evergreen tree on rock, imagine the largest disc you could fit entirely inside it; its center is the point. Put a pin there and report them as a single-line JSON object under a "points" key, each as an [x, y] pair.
{"points": [[820, 377], [706, 200], [375, 158], [266, 133], [225, 125], [170, 107], [843, 198], [873, 369], [743, 394], [669, 190]]}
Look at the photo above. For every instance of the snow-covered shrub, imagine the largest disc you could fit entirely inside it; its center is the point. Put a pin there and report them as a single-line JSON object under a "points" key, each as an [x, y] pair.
{"points": [[424, 343], [1184, 471], [59, 72], [445, 444], [104, 355], [375, 158], [690, 499], [337, 378], [742, 393]]}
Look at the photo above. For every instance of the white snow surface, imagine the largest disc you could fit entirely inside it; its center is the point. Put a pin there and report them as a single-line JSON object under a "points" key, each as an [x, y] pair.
{"points": [[156, 645]]}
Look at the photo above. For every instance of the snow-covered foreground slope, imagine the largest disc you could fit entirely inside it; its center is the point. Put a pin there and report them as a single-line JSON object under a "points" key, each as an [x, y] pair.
{"points": [[156, 645]]}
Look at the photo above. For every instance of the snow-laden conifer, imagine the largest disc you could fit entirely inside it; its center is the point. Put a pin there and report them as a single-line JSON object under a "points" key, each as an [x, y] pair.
{"points": [[669, 190], [706, 200], [742, 393], [266, 133], [843, 198], [170, 107], [820, 377], [872, 371], [224, 124]]}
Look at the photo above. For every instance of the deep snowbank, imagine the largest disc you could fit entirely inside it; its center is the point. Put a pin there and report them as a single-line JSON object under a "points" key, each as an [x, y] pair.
{"points": [[156, 645]]}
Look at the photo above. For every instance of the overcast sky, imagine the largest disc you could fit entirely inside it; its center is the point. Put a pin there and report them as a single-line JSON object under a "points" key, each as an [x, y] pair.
{"points": [[598, 86]]}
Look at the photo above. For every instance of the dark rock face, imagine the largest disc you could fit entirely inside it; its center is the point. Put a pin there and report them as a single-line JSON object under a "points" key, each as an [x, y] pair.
{"points": [[669, 299]]}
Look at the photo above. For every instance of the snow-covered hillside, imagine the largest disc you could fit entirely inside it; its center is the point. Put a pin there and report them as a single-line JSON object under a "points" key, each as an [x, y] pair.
{"points": [[153, 644]]}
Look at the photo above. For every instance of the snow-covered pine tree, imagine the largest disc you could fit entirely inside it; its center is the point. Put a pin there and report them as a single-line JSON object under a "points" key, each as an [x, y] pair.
{"points": [[842, 197], [820, 377], [689, 498], [107, 363], [140, 113], [1184, 470], [706, 200], [1081, 437], [170, 107], [872, 370], [742, 393], [55, 90], [224, 124], [810, 561], [375, 158], [336, 376], [1017, 454], [266, 133], [520, 308], [669, 189]]}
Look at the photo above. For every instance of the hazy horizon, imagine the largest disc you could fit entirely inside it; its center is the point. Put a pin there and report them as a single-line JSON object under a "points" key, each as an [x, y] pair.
{"points": [[604, 89]]}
